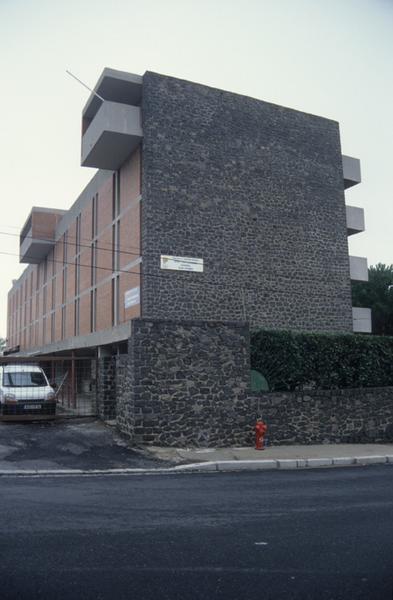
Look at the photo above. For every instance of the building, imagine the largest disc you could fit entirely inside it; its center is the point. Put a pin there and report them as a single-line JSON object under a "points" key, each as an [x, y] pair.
{"points": [[207, 207], [252, 190]]}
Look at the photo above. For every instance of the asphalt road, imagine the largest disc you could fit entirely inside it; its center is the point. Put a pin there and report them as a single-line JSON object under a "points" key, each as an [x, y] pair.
{"points": [[320, 534], [67, 444]]}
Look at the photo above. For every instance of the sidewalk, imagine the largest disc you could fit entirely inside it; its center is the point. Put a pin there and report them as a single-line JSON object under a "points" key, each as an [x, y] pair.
{"points": [[276, 457]]}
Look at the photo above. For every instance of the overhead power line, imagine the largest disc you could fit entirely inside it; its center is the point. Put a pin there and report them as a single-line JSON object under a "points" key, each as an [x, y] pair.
{"points": [[68, 243]]}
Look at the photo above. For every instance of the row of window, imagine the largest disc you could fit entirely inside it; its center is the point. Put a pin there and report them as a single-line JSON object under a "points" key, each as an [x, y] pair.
{"points": [[16, 301]]}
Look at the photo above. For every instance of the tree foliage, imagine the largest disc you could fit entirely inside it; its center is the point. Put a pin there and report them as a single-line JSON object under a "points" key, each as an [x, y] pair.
{"points": [[375, 294]]}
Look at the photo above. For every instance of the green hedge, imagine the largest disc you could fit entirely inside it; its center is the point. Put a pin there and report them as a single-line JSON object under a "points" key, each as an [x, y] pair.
{"points": [[291, 360]]}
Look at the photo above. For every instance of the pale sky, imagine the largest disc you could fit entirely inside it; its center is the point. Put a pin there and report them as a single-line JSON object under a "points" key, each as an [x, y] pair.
{"points": [[331, 58]]}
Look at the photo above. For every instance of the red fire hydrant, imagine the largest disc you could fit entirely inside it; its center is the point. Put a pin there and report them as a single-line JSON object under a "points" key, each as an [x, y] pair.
{"points": [[260, 432]]}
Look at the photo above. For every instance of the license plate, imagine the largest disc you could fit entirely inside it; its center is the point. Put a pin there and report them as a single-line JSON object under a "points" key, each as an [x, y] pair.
{"points": [[34, 406]]}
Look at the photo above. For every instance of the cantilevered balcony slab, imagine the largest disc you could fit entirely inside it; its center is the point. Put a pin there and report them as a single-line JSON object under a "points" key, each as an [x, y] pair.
{"points": [[361, 320], [113, 86], [355, 219], [113, 134], [351, 171], [37, 237], [358, 268]]}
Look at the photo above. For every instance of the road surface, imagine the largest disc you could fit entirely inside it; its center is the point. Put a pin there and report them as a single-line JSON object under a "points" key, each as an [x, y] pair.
{"points": [[320, 534]]}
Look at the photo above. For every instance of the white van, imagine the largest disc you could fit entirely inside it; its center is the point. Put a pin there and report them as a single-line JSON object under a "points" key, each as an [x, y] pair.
{"points": [[25, 393]]}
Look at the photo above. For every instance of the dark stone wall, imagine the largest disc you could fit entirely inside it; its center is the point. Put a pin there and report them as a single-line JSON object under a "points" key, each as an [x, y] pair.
{"points": [[106, 387], [187, 384], [332, 416], [125, 386], [254, 189]]}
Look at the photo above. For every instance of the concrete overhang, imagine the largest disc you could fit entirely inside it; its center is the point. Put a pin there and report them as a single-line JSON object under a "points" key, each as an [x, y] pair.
{"points": [[113, 335], [112, 136], [351, 171], [112, 86], [361, 320], [355, 219], [37, 237], [358, 268]]}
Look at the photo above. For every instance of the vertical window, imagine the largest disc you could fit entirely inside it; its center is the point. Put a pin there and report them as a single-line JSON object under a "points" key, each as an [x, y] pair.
{"points": [[76, 316], [78, 234], [65, 244], [116, 246], [93, 310], [115, 300], [44, 301], [52, 327], [45, 270], [77, 276], [93, 268], [64, 291], [115, 195], [53, 293], [63, 322], [44, 330], [94, 216]]}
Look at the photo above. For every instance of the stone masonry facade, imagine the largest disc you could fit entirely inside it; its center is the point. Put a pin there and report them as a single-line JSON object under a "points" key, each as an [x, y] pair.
{"points": [[363, 415], [254, 189], [187, 384]]}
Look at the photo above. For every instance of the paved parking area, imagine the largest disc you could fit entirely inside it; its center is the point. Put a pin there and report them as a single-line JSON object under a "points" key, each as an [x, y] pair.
{"points": [[70, 444]]}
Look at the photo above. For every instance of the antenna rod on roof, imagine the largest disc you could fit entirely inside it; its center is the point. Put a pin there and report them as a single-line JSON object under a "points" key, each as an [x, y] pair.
{"points": [[86, 86]]}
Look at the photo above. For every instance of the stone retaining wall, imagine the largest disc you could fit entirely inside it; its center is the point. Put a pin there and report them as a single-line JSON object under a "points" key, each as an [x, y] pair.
{"points": [[331, 416], [187, 384]]}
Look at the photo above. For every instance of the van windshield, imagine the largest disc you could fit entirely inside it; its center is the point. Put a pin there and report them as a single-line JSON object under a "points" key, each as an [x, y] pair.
{"points": [[24, 379]]}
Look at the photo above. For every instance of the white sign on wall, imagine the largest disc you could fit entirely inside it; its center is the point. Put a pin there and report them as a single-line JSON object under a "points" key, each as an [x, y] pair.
{"points": [[132, 297], [182, 263]]}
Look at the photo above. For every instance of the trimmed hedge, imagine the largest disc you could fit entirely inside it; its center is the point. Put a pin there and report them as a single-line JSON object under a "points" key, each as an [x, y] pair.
{"points": [[292, 361]]}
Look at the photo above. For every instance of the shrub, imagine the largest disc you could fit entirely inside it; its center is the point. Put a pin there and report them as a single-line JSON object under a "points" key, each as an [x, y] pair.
{"points": [[292, 361]]}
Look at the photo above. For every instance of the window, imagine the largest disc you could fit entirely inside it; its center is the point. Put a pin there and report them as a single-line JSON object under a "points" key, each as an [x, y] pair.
{"points": [[63, 322], [77, 276], [93, 310], [24, 379], [116, 246], [115, 195], [76, 316], [52, 327], [93, 268], [65, 243], [94, 217], [115, 300], [78, 234]]}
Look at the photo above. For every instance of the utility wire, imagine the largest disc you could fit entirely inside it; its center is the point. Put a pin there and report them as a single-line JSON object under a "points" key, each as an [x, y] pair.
{"points": [[67, 243], [143, 274]]}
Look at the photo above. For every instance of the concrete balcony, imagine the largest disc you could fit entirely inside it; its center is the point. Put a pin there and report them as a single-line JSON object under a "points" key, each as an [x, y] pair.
{"points": [[355, 220], [112, 135], [37, 237], [361, 320], [351, 171], [358, 268]]}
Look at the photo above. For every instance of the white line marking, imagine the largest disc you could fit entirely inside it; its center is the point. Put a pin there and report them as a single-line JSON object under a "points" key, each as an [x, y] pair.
{"points": [[260, 543]]}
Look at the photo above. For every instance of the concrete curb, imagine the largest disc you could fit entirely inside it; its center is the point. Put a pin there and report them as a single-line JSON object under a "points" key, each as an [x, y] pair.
{"points": [[212, 466]]}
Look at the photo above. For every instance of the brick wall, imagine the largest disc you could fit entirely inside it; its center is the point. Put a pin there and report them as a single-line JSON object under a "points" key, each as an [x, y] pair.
{"points": [[254, 189], [20, 322]]}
